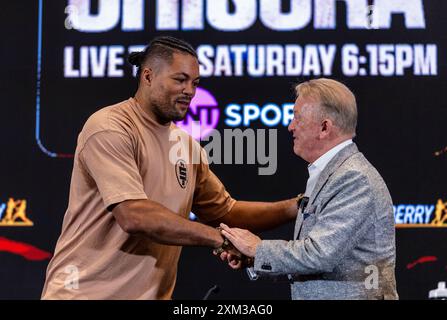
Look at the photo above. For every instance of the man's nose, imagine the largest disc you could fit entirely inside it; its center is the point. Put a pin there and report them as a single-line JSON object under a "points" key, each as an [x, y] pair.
{"points": [[291, 126], [189, 89]]}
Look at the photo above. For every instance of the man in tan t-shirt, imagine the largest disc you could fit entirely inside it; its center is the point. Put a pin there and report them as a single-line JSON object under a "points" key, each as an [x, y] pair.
{"points": [[130, 195]]}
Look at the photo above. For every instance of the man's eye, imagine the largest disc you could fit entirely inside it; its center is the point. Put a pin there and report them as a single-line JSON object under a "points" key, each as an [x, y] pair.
{"points": [[179, 80], [196, 84]]}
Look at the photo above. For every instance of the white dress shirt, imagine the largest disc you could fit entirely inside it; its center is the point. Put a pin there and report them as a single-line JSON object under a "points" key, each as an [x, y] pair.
{"points": [[318, 166]]}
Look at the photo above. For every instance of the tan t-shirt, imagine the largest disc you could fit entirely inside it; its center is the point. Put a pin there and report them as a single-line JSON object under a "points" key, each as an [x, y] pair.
{"points": [[123, 154]]}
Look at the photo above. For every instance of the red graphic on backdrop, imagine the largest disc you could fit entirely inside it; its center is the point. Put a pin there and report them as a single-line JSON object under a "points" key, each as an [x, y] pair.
{"points": [[421, 260], [25, 250]]}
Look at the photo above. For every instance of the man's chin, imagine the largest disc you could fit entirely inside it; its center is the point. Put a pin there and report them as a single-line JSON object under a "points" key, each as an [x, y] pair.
{"points": [[180, 116]]}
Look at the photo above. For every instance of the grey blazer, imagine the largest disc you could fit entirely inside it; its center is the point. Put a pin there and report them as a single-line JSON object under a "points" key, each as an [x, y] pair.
{"points": [[344, 241]]}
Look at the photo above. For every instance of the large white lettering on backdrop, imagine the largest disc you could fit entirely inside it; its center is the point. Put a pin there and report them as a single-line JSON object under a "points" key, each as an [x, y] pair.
{"points": [[241, 15]]}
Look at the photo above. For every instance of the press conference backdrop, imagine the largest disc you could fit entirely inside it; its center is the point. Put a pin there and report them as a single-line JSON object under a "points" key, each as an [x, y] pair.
{"points": [[63, 60]]}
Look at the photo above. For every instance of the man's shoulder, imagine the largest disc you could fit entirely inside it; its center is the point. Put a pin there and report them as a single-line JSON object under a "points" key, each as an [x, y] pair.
{"points": [[359, 163], [109, 118], [358, 168], [356, 163]]}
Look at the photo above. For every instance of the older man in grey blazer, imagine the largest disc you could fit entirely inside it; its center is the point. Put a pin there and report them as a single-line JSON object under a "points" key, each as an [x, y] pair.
{"points": [[344, 241]]}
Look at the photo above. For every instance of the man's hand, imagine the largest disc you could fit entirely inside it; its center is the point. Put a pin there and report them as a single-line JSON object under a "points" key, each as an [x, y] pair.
{"points": [[235, 259], [243, 240]]}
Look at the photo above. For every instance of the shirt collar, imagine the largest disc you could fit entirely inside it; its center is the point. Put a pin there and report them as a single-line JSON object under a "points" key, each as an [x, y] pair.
{"points": [[319, 164]]}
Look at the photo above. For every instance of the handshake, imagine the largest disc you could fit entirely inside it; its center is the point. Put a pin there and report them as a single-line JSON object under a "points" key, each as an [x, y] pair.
{"points": [[238, 248]]}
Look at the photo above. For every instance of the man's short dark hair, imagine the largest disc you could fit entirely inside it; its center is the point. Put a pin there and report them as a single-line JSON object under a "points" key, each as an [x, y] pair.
{"points": [[161, 48]]}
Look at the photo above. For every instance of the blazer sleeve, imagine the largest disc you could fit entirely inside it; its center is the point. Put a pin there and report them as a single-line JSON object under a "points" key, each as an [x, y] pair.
{"points": [[345, 215]]}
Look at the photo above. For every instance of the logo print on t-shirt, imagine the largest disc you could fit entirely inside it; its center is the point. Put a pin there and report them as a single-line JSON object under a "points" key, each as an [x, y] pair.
{"points": [[181, 172]]}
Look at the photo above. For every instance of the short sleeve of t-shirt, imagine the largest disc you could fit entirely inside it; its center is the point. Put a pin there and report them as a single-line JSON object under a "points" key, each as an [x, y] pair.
{"points": [[109, 158], [211, 200]]}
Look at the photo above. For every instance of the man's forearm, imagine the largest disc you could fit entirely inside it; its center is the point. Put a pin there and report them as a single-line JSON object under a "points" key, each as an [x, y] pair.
{"points": [[259, 216], [164, 226]]}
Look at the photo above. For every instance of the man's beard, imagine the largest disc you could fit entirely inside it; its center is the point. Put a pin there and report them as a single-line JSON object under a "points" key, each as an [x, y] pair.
{"points": [[168, 113]]}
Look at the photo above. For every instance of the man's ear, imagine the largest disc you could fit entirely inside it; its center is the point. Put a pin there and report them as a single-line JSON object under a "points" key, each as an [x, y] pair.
{"points": [[147, 76], [327, 127]]}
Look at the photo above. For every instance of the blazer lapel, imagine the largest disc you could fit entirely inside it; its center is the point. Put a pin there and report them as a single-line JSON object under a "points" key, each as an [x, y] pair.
{"points": [[330, 168]]}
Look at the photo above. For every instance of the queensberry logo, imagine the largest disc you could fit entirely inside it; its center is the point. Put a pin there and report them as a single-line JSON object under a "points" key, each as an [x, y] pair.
{"points": [[421, 215], [13, 214]]}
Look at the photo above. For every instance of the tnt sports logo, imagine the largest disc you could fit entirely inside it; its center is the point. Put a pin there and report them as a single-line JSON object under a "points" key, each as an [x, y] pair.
{"points": [[202, 116], [181, 171], [421, 216]]}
